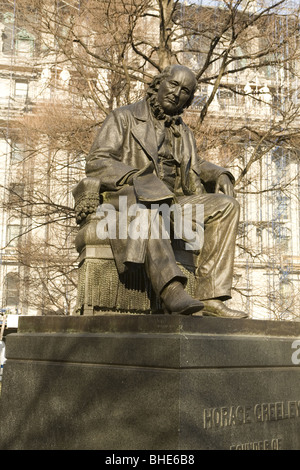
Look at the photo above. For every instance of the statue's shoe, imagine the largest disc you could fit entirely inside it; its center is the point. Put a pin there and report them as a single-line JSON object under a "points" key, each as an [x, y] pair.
{"points": [[178, 302], [217, 308]]}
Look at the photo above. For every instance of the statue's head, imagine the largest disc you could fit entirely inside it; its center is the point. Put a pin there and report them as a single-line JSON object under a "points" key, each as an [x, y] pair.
{"points": [[174, 89]]}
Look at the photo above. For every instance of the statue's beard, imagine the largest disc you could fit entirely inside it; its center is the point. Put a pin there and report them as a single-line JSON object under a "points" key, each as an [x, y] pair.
{"points": [[159, 113]]}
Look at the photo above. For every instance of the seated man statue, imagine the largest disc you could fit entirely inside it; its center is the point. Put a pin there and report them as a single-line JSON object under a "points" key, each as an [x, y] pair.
{"points": [[145, 152]]}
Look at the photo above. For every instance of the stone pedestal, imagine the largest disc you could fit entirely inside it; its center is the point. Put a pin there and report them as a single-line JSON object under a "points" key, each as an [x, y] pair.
{"points": [[150, 382]]}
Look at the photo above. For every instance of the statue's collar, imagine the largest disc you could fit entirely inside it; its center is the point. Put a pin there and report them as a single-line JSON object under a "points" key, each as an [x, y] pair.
{"points": [[143, 112]]}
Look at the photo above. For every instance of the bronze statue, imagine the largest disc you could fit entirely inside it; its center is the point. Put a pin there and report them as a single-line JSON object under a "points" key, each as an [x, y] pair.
{"points": [[145, 152]]}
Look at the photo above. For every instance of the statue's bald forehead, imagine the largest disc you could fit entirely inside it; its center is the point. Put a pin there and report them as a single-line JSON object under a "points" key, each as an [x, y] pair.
{"points": [[183, 69]]}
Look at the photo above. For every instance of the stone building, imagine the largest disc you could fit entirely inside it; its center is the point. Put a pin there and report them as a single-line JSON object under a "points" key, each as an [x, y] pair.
{"points": [[38, 269]]}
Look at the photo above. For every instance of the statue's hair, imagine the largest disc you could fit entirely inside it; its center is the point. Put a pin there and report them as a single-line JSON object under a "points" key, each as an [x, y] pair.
{"points": [[154, 84]]}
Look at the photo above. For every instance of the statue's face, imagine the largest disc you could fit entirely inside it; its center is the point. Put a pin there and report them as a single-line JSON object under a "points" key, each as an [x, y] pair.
{"points": [[175, 90]]}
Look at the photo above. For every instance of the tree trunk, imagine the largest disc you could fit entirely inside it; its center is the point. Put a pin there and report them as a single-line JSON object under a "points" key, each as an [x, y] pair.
{"points": [[166, 10]]}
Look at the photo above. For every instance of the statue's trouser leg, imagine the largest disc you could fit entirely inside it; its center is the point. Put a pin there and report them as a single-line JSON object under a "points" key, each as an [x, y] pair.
{"points": [[160, 263], [214, 269], [154, 251]]}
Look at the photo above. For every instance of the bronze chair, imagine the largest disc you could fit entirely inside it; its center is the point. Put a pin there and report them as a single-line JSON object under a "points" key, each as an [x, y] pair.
{"points": [[100, 287]]}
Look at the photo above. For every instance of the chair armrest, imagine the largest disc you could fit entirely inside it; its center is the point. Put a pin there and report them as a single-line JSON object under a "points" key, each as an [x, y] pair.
{"points": [[86, 195]]}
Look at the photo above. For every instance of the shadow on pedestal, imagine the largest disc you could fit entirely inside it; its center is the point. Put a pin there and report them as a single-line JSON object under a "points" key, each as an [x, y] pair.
{"points": [[150, 382]]}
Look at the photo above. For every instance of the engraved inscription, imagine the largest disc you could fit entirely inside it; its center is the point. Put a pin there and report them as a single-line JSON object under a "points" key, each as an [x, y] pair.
{"points": [[242, 414], [272, 444]]}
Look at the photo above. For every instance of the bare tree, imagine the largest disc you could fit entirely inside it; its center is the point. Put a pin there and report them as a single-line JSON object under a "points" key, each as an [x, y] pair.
{"points": [[101, 54]]}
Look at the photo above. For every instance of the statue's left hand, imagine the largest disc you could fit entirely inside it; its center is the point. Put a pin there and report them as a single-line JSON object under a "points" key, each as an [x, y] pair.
{"points": [[224, 185]]}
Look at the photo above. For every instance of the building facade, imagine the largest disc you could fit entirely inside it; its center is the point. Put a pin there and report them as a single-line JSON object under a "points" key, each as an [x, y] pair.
{"points": [[38, 268]]}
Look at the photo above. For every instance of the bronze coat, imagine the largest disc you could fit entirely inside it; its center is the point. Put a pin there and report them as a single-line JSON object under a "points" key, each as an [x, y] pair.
{"points": [[126, 144]]}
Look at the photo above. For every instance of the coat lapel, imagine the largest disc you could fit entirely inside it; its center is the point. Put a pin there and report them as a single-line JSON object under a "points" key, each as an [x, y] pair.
{"points": [[144, 133], [144, 130]]}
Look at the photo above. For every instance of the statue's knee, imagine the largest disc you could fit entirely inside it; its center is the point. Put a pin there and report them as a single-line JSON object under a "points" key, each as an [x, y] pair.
{"points": [[232, 203]]}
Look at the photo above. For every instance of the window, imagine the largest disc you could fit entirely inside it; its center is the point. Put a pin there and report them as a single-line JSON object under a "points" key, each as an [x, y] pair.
{"points": [[16, 39], [12, 287], [7, 35], [24, 47], [16, 193], [282, 207], [21, 89], [12, 235], [24, 44], [17, 152], [200, 98]]}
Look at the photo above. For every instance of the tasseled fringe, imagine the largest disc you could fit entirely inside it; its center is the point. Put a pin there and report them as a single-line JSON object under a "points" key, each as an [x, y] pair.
{"points": [[101, 289]]}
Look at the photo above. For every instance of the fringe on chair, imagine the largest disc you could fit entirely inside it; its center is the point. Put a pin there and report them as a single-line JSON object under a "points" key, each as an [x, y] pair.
{"points": [[101, 288]]}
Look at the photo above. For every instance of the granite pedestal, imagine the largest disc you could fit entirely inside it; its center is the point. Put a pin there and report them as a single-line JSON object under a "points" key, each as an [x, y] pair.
{"points": [[150, 382]]}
